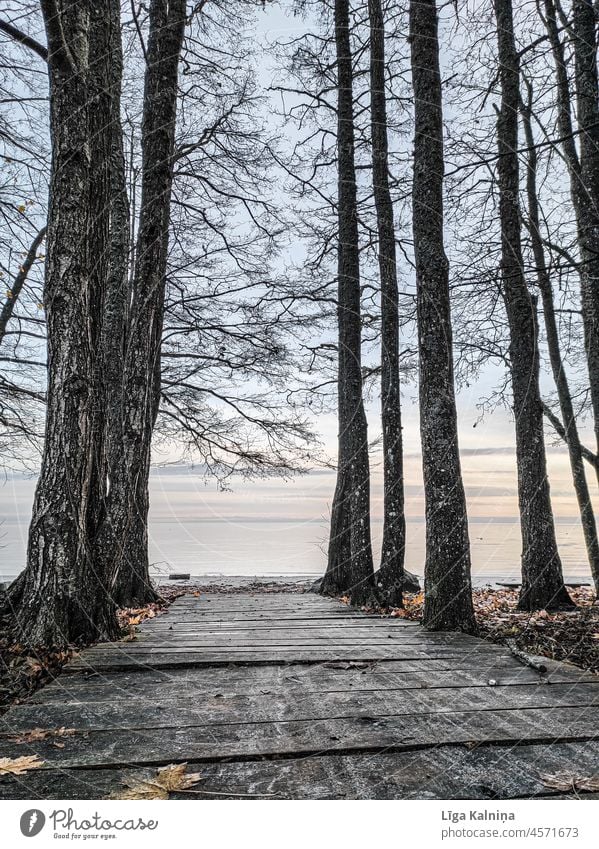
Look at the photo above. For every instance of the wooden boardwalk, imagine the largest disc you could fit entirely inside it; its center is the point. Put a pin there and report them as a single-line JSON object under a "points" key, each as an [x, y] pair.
{"points": [[297, 696]]}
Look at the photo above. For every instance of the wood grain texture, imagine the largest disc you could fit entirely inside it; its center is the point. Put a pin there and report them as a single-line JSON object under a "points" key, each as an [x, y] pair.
{"points": [[338, 705]]}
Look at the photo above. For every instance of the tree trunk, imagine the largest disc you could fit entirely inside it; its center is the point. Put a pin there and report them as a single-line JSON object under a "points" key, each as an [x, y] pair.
{"points": [[542, 578], [587, 103], [109, 539], [448, 591], [583, 169], [585, 506], [142, 362], [390, 575], [61, 598], [349, 569]]}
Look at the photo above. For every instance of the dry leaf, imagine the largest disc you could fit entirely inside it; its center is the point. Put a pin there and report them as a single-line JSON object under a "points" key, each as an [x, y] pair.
{"points": [[42, 733], [17, 766], [566, 782], [167, 779]]}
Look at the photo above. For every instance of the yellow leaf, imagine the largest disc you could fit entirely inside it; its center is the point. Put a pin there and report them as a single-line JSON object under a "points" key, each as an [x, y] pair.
{"points": [[167, 779], [17, 766], [21, 207], [9, 293]]}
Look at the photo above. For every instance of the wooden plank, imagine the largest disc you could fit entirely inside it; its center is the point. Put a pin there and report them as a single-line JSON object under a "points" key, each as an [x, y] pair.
{"points": [[129, 659], [303, 635], [242, 680], [278, 707], [242, 741], [451, 772]]}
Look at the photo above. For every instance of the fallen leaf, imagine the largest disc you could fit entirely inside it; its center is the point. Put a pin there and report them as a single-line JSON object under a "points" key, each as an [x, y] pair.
{"points": [[42, 733], [566, 781], [17, 766], [167, 779]]}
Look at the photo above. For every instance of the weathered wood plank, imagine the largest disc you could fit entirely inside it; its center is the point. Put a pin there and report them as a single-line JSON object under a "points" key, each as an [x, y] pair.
{"points": [[129, 659], [356, 705], [317, 677], [217, 741], [451, 772], [278, 707]]}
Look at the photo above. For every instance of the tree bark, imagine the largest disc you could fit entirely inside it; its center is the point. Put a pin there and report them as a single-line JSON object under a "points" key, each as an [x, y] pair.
{"points": [[448, 592], [542, 578], [111, 353], [587, 103], [142, 360], [349, 569], [572, 439], [60, 596], [389, 577], [583, 168]]}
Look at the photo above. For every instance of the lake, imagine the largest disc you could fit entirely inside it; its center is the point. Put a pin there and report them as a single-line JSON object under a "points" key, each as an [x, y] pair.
{"points": [[274, 527]]}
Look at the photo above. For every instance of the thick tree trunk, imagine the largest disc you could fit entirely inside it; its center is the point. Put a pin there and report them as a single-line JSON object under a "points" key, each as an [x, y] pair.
{"points": [[61, 598], [448, 591], [142, 361], [109, 540], [542, 578], [349, 569], [390, 575], [572, 439]]}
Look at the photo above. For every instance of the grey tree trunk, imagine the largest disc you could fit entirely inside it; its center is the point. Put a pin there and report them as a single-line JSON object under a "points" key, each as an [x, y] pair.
{"points": [[583, 168], [584, 32], [572, 439], [109, 540], [448, 592], [61, 597], [142, 362], [542, 578], [389, 577], [349, 569]]}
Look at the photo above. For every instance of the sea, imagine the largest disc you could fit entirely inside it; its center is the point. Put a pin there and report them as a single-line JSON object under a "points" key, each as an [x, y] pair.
{"points": [[279, 528]]}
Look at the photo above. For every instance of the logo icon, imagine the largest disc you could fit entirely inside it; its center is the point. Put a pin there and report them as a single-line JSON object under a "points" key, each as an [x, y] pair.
{"points": [[32, 822]]}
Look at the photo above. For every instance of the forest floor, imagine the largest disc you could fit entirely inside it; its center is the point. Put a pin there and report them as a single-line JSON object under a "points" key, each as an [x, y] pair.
{"points": [[571, 636]]}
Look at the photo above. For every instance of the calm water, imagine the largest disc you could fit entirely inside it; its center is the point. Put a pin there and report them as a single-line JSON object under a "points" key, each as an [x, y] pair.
{"points": [[275, 528]]}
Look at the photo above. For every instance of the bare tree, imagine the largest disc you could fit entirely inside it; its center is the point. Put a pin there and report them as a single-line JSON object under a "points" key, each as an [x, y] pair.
{"points": [[389, 577], [60, 596], [560, 377], [582, 164], [349, 568], [448, 594], [142, 357], [542, 578]]}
